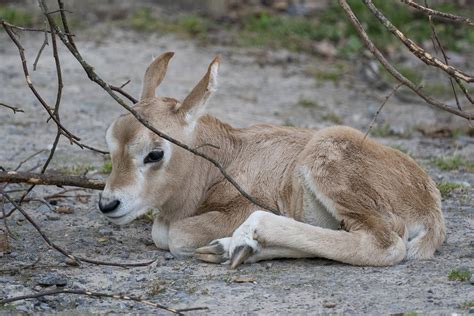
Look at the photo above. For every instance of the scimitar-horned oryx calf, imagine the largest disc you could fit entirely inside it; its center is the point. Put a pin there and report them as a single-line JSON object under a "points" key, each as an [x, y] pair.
{"points": [[339, 196]]}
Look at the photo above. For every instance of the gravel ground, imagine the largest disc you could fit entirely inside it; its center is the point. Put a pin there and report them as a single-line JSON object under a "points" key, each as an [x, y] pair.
{"points": [[255, 86]]}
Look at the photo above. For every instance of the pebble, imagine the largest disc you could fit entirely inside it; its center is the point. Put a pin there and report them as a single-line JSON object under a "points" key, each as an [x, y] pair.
{"points": [[53, 217], [105, 232], [329, 304], [23, 308], [472, 279], [52, 279], [141, 278], [169, 256]]}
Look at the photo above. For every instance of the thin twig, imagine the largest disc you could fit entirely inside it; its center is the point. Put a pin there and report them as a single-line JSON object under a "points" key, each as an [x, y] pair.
{"points": [[57, 103], [380, 109], [394, 72], [76, 259], [21, 51], [65, 23], [423, 55], [96, 295], [45, 42], [26, 29], [14, 109], [124, 93], [27, 159], [95, 78], [437, 43], [449, 16]]}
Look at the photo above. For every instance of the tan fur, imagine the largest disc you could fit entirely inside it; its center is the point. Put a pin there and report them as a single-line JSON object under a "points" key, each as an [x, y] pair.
{"points": [[386, 204]]}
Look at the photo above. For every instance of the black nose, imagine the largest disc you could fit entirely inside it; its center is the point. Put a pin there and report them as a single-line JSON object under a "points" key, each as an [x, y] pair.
{"points": [[109, 207]]}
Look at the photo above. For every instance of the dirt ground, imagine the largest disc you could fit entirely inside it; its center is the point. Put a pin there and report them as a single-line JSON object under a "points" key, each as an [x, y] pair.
{"points": [[255, 86]]}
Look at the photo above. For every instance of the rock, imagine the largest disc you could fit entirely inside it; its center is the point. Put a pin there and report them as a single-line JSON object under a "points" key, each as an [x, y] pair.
{"points": [[52, 217], [141, 278], [23, 308], [329, 304], [52, 279], [472, 279]]}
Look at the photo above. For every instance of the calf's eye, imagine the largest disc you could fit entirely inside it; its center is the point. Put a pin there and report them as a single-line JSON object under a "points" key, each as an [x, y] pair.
{"points": [[154, 156]]}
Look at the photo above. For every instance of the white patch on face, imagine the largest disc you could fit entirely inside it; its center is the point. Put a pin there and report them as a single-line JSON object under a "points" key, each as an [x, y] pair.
{"points": [[133, 203]]}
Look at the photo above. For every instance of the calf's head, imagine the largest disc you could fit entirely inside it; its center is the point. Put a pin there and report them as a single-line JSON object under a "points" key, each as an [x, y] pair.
{"points": [[147, 170]]}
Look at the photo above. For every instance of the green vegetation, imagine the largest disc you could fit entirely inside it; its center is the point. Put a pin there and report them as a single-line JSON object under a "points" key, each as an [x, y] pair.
{"points": [[467, 305], [77, 170], [329, 75], [266, 29], [410, 314], [332, 117], [381, 130], [459, 275], [16, 16], [309, 104], [445, 188], [453, 163], [143, 20], [400, 148], [106, 167]]}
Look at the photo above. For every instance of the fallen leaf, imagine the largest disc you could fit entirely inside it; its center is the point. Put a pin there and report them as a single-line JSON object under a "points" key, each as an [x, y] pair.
{"points": [[103, 239], [243, 280], [63, 209]]}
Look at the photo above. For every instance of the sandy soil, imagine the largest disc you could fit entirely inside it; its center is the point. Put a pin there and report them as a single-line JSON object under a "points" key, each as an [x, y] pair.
{"points": [[255, 86]]}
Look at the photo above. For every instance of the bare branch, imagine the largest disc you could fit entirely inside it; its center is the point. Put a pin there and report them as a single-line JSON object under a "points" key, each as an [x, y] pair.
{"points": [[380, 109], [449, 16], [124, 93], [100, 295], [14, 109], [394, 72], [95, 78], [30, 83], [426, 57], [26, 29], [45, 42], [50, 179], [74, 258]]}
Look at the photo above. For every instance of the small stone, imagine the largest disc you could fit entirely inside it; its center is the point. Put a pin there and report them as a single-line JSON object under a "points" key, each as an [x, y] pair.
{"points": [[329, 304], [141, 278], [51, 279], [471, 280], [268, 265], [23, 308], [169, 256], [71, 262], [53, 217], [105, 232]]}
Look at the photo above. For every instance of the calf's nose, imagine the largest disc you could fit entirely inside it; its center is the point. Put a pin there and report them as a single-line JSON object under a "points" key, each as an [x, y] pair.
{"points": [[107, 206]]}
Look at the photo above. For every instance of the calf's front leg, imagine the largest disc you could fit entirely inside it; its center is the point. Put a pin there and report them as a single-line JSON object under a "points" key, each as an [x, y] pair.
{"points": [[188, 234]]}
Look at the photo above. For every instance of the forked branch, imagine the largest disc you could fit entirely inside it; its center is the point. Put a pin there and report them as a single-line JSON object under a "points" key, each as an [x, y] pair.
{"points": [[393, 71]]}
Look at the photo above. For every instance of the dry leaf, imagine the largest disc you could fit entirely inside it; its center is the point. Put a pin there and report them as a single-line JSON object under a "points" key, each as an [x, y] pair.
{"points": [[243, 280], [63, 209], [4, 246]]}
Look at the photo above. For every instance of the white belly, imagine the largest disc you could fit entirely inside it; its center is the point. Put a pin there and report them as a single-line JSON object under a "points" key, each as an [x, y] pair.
{"points": [[316, 213]]}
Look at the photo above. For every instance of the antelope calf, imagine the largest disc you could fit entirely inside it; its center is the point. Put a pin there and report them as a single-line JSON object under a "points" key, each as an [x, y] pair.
{"points": [[338, 196]]}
